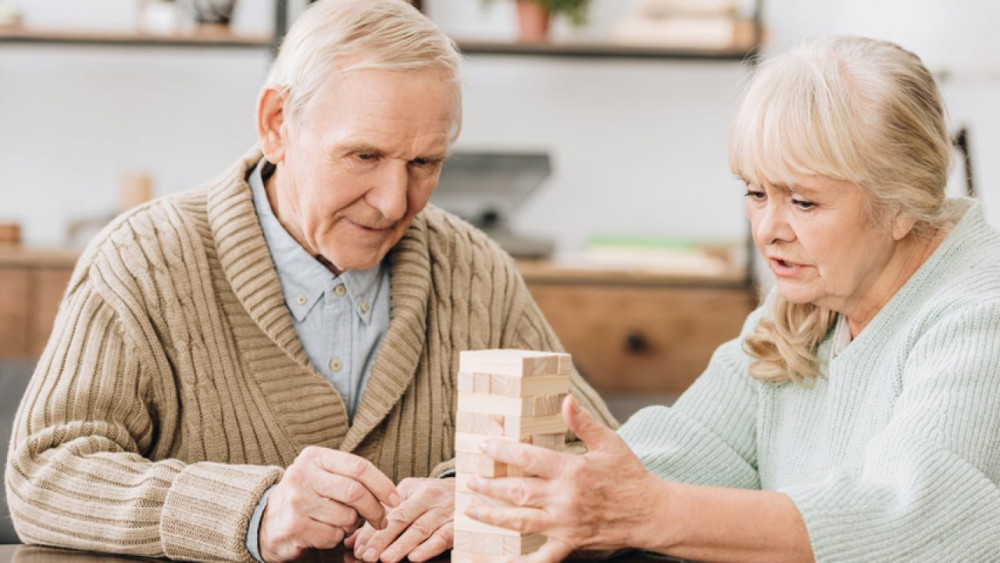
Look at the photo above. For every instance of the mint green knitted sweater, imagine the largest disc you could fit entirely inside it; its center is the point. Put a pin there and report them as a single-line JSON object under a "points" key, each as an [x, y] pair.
{"points": [[894, 454]]}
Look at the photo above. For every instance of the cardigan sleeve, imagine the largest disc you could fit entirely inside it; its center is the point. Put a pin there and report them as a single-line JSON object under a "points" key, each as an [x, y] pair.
{"points": [[927, 487], [79, 469], [708, 437]]}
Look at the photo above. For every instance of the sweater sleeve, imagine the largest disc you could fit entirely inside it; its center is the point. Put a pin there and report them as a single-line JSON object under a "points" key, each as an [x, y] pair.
{"points": [[927, 486], [708, 437], [80, 470]]}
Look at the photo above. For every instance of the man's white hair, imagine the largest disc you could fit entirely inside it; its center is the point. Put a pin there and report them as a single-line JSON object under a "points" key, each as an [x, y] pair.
{"points": [[334, 36]]}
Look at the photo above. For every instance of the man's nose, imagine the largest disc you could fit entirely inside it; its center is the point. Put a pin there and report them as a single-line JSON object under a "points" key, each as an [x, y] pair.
{"points": [[388, 195]]}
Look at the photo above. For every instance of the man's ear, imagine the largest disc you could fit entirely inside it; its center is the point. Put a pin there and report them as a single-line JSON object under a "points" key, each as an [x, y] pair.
{"points": [[902, 224], [272, 135]]}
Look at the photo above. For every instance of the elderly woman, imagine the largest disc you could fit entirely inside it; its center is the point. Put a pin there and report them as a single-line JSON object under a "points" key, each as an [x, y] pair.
{"points": [[857, 416]]}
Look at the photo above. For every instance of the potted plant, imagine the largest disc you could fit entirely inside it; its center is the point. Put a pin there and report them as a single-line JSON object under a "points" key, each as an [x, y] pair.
{"points": [[533, 16]]}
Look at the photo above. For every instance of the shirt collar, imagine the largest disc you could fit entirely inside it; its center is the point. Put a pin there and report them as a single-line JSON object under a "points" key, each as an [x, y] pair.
{"points": [[304, 280]]}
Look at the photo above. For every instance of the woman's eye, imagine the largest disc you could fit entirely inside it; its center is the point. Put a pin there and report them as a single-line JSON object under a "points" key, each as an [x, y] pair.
{"points": [[755, 195], [803, 205]]}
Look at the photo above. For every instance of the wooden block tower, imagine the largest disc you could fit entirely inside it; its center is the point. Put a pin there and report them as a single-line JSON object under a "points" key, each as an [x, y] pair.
{"points": [[510, 395]]}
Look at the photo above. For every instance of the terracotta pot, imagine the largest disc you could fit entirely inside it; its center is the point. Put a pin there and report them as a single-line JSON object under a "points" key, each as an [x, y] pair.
{"points": [[533, 21]]}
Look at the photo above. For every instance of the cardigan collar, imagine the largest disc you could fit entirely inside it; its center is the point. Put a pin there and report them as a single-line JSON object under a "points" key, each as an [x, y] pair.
{"points": [[230, 211]]}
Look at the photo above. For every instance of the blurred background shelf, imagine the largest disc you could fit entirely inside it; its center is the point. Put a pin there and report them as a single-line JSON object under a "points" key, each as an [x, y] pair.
{"points": [[200, 38], [598, 50]]}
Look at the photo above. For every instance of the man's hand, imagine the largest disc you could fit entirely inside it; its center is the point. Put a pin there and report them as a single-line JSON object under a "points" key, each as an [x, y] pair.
{"points": [[319, 500], [419, 528]]}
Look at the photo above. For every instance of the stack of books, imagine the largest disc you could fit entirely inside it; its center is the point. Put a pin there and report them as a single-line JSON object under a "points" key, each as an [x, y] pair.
{"points": [[708, 25]]}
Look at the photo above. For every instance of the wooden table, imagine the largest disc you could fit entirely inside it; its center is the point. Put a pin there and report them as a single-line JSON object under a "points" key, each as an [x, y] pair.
{"points": [[36, 554]]}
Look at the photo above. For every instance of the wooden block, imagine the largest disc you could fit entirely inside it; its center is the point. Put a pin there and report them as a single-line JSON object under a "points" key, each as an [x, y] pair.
{"points": [[458, 556], [551, 441], [491, 544], [479, 464], [495, 404], [520, 427], [466, 382], [479, 423], [565, 364], [518, 363], [524, 544], [547, 404], [483, 383], [466, 442], [510, 386]]}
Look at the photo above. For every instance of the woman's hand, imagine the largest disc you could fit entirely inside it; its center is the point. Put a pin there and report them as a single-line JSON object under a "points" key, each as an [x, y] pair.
{"points": [[595, 501]]}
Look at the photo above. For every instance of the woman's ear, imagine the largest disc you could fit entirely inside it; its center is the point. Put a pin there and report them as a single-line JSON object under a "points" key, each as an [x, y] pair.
{"points": [[271, 130], [902, 224]]}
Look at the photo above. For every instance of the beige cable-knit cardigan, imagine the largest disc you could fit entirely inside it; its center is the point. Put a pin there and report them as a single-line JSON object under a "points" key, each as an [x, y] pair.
{"points": [[174, 388]]}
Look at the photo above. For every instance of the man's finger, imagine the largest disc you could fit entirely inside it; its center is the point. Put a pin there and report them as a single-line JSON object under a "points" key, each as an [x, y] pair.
{"points": [[398, 520], [551, 551], [587, 428], [439, 542], [364, 536], [360, 470], [349, 540], [350, 493], [417, 533], [535, 460]]}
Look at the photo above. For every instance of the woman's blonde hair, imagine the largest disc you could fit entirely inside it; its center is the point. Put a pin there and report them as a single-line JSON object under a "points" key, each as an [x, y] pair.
{"points": [[341, 35], [848, 108]]}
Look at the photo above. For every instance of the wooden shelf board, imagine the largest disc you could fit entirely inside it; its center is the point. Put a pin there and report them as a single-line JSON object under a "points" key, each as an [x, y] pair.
{"points": [[550, 272], [599, 50], [205, 38], [16, 255]]}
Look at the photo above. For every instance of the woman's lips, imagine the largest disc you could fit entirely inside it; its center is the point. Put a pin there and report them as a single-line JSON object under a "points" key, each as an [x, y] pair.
{"points": [[784, 268]]}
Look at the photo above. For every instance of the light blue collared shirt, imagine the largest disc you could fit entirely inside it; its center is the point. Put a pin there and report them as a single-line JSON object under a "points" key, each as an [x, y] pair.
{"points": [[340, 320]]}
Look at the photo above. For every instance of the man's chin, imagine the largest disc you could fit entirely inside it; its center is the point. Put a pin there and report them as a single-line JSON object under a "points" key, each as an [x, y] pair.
{"points": [[340, 264]]}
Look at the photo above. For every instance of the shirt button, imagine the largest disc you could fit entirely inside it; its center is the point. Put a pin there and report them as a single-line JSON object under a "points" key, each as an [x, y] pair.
{"points": [[365, 307], [336, 365], [301, 299], [340, 290]]}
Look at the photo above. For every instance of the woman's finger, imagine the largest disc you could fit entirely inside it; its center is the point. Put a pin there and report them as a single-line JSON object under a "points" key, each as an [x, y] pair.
{"points": [[524, 520], [529, 492], [534, 460], [594, 434]]}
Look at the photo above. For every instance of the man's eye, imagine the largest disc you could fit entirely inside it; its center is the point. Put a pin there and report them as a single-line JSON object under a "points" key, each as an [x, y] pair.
{"points": [[366, 156]]}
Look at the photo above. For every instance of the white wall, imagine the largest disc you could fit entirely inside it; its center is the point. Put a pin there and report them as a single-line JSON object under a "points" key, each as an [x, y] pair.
{"points": [[638, 146]]}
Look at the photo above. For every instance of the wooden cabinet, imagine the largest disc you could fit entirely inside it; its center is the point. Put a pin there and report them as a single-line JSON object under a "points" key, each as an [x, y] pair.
{"points": [[32, 283], [637, 334]]}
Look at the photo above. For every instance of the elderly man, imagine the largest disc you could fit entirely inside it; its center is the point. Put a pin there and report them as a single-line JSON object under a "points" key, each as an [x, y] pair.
{"points": [[246, 369]]}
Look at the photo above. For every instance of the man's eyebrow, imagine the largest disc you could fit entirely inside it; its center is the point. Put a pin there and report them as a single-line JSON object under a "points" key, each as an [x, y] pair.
{"points": [[437, 156], [363, 148]]}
